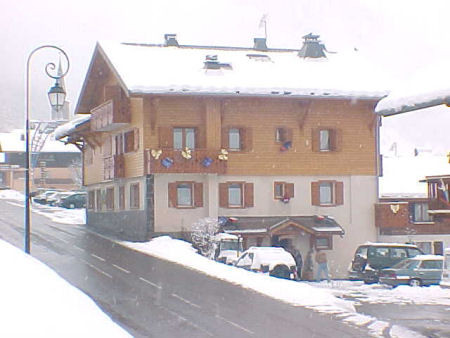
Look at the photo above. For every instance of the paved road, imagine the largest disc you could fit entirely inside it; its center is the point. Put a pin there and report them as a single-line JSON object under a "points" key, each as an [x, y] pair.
{"points": [[150, 297]]}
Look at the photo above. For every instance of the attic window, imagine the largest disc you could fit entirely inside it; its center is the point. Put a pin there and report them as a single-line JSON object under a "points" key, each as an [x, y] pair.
{"points": [[212, 62], [259, 57]]}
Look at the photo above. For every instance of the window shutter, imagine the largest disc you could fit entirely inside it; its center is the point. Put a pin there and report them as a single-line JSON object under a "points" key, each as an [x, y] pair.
{"points": [[198, 195], [225, 136], [223, 195], [165, 137], [335, 139], [172, 192], [315, 139], [289, 190], [248, 195], [339, 193], [315, 200], [246, 139], [289, 134], [136, 139], [200, 138]]}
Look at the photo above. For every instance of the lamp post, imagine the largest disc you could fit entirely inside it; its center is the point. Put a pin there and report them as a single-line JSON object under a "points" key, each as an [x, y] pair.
{"points": [[57, 97]]}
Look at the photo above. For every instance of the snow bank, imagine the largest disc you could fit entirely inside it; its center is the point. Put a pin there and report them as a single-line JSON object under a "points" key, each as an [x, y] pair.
{"points": [[36, 302]]}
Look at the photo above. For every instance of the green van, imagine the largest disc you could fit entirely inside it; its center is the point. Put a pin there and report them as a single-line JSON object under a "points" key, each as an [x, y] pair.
{"points": [[370, 258]]}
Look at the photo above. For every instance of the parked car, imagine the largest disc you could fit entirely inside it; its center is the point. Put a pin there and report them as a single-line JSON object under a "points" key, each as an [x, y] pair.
{"points": [[370, 258], [42, 197], [73, 201], [56, 198], [228, 248], [275, 262], [417, 271], [445, 281]]}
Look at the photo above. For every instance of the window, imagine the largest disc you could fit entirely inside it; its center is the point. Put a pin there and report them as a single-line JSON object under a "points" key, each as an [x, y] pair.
{"points": [[283, 135], [325, 139], [420, 212], [91, 199], [324, 243], [118, 144], [131, 140], [327, 193], [121, 198], [283, 190], [98, 197], [183, 138], [398, 253], [134, 196], [236, 195], [234, 139], [432, 265], [185, 195], [110, 199], [432, 190]]}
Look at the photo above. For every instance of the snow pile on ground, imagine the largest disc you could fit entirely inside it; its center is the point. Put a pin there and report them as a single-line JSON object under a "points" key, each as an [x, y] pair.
{"points": [[12, 195], [36, 302], [296, 293]]}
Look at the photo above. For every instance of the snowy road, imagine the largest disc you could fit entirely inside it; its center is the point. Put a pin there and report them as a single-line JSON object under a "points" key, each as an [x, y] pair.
{"points": [[151, 297]]}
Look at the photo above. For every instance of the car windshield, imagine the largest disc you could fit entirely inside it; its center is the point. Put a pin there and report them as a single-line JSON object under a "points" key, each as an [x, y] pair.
{"points": [[231, 245]]}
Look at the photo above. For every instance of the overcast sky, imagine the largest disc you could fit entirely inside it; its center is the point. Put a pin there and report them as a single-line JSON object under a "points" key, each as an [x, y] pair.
{"points": [[401, 36]]}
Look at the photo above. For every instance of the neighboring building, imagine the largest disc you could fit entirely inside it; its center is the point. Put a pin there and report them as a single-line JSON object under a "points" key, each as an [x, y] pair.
{"points": [[55, 166], [269, 140], [424, 221]]}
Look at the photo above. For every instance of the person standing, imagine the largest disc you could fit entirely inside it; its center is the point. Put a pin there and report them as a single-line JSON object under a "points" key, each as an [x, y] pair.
{"points": [[298, 261], [322, 265]]}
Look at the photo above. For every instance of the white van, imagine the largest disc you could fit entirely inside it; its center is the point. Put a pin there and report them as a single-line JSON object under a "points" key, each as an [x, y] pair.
{"points": [[445, 281]]}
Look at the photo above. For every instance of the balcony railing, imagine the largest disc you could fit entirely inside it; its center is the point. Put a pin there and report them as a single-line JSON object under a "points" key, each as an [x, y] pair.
{"points": [[392, 215], [110, 115], [114, 167], [438, 204], [172, 161]]}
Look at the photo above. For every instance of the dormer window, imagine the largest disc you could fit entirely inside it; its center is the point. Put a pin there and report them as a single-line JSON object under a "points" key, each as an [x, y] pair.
{"points": [[259, 57]]}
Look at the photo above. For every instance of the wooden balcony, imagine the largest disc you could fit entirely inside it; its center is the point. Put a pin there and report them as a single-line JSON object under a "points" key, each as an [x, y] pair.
{"points": [[114, 167], [392, 215], [438, 204], [171, 161], [110, 115]]}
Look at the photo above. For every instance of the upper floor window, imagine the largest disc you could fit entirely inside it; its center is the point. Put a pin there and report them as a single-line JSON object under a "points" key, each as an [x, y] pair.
{"points": [[237, 139], [236, 195], [327, 193], [325, 139], [185, 195], [283, 190], [183, 138], [420, 212]]}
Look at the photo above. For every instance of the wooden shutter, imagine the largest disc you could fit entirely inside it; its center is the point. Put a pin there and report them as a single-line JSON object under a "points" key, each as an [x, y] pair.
{"points": [[165, 137], [200, 138], [136, 139], [246, 139], [248, 195], [172, 195], [225, 138], [335, 139], [198, 195], [315, 142], [339, 193], [315, 198], [289, 190], [223, 195], [289, 134]]}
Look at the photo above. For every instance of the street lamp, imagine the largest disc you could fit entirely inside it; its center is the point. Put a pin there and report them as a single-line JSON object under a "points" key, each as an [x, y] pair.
{"points": [[56, 96]]}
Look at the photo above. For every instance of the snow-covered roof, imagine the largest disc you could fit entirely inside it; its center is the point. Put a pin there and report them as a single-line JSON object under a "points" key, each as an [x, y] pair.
{"points": [[180, 70], [14, 141], [67, 128]]}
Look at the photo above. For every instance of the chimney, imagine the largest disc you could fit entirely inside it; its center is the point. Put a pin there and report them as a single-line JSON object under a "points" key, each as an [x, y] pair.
{"points": [[212, 62], [171, 40], [259, 44], [312, 48]]}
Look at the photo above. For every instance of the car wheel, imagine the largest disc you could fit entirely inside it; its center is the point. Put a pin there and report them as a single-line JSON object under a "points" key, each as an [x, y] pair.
{"points": [[415, 282], [281, 271]]}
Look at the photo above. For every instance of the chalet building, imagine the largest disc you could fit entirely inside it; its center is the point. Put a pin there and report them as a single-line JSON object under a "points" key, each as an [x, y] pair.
{"points": [[423, 221], [54, 166], [280, 144]]}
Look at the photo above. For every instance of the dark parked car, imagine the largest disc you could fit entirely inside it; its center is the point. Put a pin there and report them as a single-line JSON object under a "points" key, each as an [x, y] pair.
{"points": [[370, 258], [417, 271], [74, 201]]}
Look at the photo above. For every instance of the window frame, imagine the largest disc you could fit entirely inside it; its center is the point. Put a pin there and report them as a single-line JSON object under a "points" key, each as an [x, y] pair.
{"points": [[184, 137], [134, 200], [420, 208], [91, 200], [121, 196], [191, 205], [109, 198], [239, 134], [327, 146], [282, 135], [332, 187], [329, 244], [241, 195]]}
